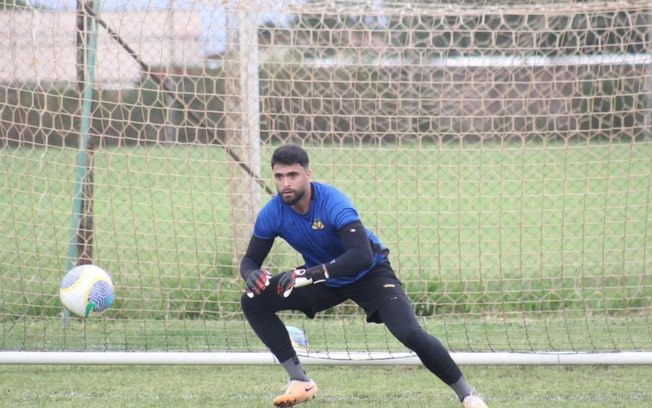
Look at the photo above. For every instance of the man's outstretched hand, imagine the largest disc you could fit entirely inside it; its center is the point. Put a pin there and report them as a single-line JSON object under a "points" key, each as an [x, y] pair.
{"points": [[300, 277]]}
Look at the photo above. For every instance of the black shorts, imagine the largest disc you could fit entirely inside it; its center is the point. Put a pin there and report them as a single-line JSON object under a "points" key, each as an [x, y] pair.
{"points": [[377, 286]]}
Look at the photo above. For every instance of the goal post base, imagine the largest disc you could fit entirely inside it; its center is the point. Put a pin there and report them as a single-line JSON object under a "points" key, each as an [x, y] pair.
{"points": [[335, 358]]}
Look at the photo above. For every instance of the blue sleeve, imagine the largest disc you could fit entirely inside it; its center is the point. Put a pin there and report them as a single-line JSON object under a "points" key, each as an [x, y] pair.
{"points": [[341, 209], [265, 226]]}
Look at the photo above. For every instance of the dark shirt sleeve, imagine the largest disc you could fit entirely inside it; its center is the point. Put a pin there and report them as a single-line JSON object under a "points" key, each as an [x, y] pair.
{"points": [[257, 251], [357, 255]]}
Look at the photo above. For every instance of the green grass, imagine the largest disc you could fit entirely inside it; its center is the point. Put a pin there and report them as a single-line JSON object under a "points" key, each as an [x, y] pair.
{"points": [[360, 387], [460, 333], [535, 245]]}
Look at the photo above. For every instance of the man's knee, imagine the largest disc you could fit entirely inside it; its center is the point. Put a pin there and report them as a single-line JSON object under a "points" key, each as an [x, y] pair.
{"points": [[411, 336], [248, 304]]}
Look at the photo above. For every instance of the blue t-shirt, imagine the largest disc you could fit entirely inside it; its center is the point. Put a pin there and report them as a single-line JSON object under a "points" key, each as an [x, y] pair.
{"points": [[314, 234]]}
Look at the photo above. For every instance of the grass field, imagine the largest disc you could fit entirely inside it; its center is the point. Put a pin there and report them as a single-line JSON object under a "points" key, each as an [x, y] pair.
{"points": [[360, 387], [544, 246], [542, 227]]}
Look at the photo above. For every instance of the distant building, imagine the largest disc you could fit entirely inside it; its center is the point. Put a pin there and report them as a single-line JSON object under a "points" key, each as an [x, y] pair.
{"points": [[41, 45]]}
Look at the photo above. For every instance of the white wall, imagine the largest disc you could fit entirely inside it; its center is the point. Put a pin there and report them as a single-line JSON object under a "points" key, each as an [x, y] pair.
{"points": [[41, 45]]}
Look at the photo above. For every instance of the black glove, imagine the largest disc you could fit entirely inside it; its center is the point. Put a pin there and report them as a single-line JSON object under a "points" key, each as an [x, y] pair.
{"points": [[300, 277], [257, 280]]}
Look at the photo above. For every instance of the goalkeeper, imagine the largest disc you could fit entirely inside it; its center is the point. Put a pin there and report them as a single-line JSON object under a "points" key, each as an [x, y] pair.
{"points": [[343, 260]]}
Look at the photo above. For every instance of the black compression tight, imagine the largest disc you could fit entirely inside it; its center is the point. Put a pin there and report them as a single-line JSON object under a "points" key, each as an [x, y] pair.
{"points": [[268, 326], [399, 318], [396, 314]]}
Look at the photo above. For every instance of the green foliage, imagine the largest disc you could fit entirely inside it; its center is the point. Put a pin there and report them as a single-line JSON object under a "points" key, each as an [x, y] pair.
{"points": [[125, 117], [437, 33], [12, 4], [605, 107]]}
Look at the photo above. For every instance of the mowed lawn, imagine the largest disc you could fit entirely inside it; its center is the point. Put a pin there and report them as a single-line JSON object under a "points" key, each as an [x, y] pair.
{"points": [[350, 386]]}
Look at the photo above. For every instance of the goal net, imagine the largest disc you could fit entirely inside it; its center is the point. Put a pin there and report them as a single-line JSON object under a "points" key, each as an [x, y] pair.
{"points": [[502, 150]]}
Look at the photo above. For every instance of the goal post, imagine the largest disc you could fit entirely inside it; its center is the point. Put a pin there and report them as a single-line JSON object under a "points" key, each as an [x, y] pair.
{"points": [[503, 152], [335, 358]]}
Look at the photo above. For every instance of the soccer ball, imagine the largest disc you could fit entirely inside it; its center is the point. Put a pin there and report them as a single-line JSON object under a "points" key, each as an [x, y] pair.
{"points": [[86, 290], [299, 339]]}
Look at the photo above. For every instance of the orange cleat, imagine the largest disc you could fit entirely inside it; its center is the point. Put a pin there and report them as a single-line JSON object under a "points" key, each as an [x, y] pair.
{"points": [[473, 401], [296, 393]]}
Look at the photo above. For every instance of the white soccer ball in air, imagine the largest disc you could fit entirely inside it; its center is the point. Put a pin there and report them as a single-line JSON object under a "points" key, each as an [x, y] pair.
{"points": [[86, 290]]}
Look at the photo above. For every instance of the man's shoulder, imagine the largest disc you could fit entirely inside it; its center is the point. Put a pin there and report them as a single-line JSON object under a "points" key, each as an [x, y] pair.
{"points": [[272, 206], [326, 189]]}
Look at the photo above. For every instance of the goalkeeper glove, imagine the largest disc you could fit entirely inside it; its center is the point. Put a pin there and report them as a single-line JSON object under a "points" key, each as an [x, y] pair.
{"points": [[301, 277], [256, 280]]}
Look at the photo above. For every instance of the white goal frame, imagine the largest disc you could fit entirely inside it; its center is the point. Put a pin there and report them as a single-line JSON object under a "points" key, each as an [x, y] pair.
{"points": [[244, 59], [335, 358]]}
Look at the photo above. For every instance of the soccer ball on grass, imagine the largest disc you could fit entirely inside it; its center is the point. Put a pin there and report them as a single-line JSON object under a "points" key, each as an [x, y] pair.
{"points": [[298, 338], [86, 290]]}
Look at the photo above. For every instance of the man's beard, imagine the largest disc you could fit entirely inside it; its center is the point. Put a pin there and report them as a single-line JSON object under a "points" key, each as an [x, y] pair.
{"points": [[293, 200]]}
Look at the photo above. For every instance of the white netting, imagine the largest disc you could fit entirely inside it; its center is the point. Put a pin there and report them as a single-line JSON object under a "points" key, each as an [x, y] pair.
{"points": [[501, 150]]}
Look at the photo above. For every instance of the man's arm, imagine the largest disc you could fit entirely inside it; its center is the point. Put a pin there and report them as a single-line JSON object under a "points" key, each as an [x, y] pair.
{"points": [[257, 251], [357, 256], [255, 278]]}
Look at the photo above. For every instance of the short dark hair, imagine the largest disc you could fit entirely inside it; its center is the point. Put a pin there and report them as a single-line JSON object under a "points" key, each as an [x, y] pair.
{"points": [[290, 154]]}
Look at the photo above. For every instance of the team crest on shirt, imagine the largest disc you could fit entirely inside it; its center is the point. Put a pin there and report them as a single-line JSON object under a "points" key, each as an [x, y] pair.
{"points": [[317, 224]]}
